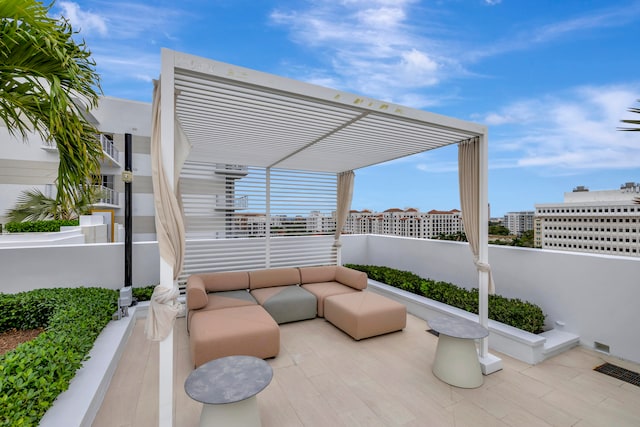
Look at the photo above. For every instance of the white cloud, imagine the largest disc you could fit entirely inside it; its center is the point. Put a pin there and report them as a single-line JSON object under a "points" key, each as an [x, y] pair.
{"points": [[124, 39], [374, 47], [84, 21], [573, 130]]}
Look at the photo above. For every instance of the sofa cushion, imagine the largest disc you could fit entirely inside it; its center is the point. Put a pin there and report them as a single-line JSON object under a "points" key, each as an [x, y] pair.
{"points": [[365, 314], [324, 273], [287, 303], [273, 277], [247, 330], [227, 299], [326, 289]]}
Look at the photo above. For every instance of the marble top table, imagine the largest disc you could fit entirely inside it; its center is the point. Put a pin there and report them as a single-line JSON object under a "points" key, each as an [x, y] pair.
{"points": [[458, 328], [456, 361], [228, 387]]}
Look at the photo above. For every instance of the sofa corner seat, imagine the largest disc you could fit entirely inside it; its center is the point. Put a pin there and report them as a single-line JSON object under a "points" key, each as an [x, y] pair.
{"points": [[277, 290], [328, 280]]}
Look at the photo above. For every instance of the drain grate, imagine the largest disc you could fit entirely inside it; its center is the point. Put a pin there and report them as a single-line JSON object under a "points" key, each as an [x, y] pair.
{"points": [[433, 332], [619, 373]]}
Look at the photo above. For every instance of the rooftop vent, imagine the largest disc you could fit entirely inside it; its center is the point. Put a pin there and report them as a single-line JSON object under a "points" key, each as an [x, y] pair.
{"points": [[580, 188], [619, 373]]}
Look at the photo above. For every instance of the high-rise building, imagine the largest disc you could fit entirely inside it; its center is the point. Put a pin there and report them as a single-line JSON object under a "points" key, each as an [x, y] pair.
{"points": [[519, 222], [606, 222], [408, 222]]}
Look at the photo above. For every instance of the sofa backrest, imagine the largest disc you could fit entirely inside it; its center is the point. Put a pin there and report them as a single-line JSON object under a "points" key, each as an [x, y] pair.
{"points": [[225, 281], [350, 277], [324, 273], [198, 285], [270, 277]]}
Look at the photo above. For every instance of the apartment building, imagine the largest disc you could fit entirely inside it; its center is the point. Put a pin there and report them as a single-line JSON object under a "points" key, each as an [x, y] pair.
{"points": [[519, 222], [34, 165], [605, 222], [408, 222]]}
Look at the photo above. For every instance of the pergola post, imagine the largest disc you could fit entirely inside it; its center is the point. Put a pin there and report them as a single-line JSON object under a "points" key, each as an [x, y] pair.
{"points": [[488, 362], [165, 369]]}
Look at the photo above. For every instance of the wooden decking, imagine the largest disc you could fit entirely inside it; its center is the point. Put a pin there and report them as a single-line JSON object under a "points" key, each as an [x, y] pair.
{"points": [[324, 378]]}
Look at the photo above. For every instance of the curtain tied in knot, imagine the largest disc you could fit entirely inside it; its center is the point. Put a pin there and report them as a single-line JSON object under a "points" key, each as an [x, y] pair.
{"points": [[163, 310], [482, 266]]}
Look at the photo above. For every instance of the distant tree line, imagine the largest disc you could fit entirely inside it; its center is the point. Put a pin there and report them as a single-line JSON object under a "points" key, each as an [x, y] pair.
{"points": [[501, 236]]}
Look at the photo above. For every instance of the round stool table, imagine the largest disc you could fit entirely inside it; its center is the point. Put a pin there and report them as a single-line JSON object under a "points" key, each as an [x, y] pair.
{"points": [[228, 387], [456, 360]]}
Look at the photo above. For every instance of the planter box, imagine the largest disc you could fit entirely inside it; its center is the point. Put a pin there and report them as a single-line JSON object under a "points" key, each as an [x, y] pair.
{"points": [[524, 346]]}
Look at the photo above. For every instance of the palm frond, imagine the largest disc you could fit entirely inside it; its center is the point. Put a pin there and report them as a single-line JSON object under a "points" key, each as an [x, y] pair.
{"points": [[42, 71], [636, 123]]}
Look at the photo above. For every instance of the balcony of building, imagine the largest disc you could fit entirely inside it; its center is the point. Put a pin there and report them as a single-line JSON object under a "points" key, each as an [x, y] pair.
{"points": [[106, 197], [111, 157]]}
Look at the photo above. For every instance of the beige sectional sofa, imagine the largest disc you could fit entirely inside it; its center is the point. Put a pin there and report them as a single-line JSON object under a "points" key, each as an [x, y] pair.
{"points": [[239, 312]]}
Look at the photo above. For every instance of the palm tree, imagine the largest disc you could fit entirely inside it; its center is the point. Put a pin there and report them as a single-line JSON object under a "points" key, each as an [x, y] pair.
{"points": [[33, 205], [45, 77], [632, 129]]}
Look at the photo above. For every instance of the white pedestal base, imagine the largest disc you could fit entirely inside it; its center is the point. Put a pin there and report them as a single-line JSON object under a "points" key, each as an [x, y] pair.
{"points": [[238, 414], [456, 362]]}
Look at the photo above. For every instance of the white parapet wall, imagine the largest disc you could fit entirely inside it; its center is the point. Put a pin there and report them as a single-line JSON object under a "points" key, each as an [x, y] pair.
{"points": [[99, 264], [592, 296]]}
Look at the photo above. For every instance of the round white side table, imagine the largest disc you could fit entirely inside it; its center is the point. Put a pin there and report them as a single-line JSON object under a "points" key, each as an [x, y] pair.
{"points": [[456, 360], [227, 387]]}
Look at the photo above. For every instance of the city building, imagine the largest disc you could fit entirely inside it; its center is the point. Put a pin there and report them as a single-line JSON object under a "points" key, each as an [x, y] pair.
{"points": [[604, 222], [33, 164], [518, 222], [407, 223]]}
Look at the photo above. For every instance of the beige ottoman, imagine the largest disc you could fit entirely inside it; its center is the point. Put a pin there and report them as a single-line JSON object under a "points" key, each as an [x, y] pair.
{"points": [[241, 331], [365, 314]]}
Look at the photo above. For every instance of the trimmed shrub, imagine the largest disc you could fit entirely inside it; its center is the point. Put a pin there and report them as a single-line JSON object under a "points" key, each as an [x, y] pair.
{"points": [[144, 293], [39, 226], [36, 372], [510, 311]]}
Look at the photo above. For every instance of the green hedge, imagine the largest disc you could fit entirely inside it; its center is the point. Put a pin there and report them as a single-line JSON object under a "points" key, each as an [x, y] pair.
{"points": [[36, 372], [511, 311], [143, 294], [39, 226]]}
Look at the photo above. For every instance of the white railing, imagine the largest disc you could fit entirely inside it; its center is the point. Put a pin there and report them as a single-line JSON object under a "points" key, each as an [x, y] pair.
{"points": [[106, 196], [109, 148]]}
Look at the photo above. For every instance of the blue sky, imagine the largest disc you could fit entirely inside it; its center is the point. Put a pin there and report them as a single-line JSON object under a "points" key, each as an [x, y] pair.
{"points": [[550, 78]]}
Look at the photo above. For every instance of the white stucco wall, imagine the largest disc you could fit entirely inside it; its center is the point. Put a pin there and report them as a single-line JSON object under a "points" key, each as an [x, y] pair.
{"points": [[26, 268]]}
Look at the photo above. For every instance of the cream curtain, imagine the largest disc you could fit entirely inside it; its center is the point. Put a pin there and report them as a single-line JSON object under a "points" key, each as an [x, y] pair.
{"points": [[164, 307], [469, 177], [345, 194]]}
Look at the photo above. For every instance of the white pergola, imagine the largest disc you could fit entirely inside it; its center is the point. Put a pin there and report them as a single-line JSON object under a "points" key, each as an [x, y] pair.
{"points": [[238, 116]]}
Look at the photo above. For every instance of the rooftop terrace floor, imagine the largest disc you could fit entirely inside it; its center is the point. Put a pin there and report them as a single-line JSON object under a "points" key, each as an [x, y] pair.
{"points": [[322, 377]]}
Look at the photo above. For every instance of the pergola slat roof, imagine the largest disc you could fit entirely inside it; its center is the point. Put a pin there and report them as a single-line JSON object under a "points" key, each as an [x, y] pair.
{"points": [[235, 115]]}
